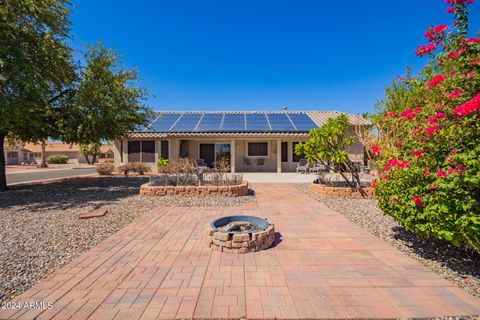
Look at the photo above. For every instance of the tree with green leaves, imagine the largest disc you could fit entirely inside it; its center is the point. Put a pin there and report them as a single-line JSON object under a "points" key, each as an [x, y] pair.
{"points": [[329, 143], [88, 150], [36, 70], [45, 95], [107, 101]]}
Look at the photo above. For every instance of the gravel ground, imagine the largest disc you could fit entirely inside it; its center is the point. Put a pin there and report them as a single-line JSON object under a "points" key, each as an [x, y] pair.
{"points": [[40, 230], [459, 267]]}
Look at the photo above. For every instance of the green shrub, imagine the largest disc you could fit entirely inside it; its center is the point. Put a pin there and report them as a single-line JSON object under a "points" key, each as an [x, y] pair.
{"points": [[106, 168], [428, 153], [58, 159]]}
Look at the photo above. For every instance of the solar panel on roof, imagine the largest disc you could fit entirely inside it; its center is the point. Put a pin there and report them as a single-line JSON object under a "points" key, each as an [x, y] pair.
{"points": [[165, 121], [280, 122], [302, 121], [233, 122], [257, 122], [187, 122], [210, 122]]}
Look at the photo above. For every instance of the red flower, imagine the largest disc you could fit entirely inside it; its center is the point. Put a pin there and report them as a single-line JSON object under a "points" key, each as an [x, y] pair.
{"points": [[454, 94], [436, 80], [417, 153], [451, 10], [434, 186], [434, 34], [417, 201], [426, 171], [453, 151], [407, 114], [468, 107], [440, 173], [375, 149], [459, 2], [424, 49], [431, 129], [389, 114], [460, 169], [472, 61], [450, 171], [474, 40], [417, 109]]}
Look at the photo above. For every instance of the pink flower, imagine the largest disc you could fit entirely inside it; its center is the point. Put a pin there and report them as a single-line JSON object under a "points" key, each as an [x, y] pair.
{"points": [[452, 54], [468, 107], [474, 40], [424, 49], [395, 163], [453, 151], [430, 130], [417, 109], [417, 201], [375, 149], [392, 201], [450, 171], [451, 10], [426, 171], [440, 173], [436, 80], [449, 160], [434, 186], [459, 2], [460, 168], [454, 94]]}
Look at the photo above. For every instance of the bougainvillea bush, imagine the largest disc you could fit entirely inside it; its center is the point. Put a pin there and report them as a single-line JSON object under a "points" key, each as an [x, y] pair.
{"points": [[428, 147]]}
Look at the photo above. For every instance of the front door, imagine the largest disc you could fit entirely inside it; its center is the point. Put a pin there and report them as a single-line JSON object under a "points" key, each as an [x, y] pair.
{"points": [[207, 153]]}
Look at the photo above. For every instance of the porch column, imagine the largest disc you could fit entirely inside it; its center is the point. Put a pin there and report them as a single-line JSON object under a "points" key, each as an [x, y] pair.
{"points": [[232, 155], [279, 156], [125, 151], [157, 149]]}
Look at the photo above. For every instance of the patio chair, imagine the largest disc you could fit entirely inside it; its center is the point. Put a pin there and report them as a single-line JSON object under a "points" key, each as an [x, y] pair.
{"points": [[317, 167], [302, 166], [201, 165], [261, 164], [247, 164]]}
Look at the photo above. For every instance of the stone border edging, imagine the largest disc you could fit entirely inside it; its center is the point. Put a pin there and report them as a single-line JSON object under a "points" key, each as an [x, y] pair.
{"points": [[148, 190], [351, 193]]}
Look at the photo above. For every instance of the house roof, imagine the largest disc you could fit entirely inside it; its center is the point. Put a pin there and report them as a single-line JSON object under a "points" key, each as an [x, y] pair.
{"points": [[237, 123]]}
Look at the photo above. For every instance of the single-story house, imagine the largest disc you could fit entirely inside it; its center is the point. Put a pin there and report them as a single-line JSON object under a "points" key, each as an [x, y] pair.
{"points": [[72, 151], [15, 153], [253, 141]]}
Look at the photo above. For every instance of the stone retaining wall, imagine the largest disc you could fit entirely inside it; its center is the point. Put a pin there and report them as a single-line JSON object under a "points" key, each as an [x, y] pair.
{"points": [[322, 190], [149, 190]]}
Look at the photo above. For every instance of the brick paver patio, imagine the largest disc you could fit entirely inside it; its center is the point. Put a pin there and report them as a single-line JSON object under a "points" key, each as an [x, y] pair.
{"points": [[322, 266]]}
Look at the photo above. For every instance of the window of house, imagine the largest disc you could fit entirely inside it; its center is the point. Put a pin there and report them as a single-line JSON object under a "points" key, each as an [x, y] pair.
{"points": [[37, 154], [133, 151], [109, 155], [184, 152], [148, 151], [284, 151], [295, 157], [258, 149], [102, 156], [164, 149]]}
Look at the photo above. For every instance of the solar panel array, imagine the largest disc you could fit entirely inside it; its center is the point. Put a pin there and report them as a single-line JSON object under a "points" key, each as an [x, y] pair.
{"points": [[230, 122]]}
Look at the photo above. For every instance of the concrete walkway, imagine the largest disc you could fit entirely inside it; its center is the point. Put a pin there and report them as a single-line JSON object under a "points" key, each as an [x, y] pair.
{"points": [[322, 266], [273, 177]]}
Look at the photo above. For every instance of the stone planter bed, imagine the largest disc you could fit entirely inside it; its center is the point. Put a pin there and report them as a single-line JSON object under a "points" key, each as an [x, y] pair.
{"points": [[151, 190], [341, 192]]}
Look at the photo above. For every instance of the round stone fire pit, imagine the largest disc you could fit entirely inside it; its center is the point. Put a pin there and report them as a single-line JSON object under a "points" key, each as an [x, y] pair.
{"points": [[240, 234]]}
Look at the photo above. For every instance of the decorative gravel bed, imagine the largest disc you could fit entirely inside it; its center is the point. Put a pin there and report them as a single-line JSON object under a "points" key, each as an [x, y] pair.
{"points": [[40, 230], [460, 267]]}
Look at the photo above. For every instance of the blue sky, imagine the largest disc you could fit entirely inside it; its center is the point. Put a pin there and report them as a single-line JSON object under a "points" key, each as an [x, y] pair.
{"points": [[263, 54]]}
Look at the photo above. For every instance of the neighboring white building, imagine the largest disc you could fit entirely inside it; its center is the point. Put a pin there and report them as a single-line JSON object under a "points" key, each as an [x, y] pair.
{"points": [[253, 141], [16, 153]]}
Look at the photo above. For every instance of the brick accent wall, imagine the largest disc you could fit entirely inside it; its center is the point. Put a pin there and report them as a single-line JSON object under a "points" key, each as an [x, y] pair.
{"points": [[322, 190], [148, 190]]}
